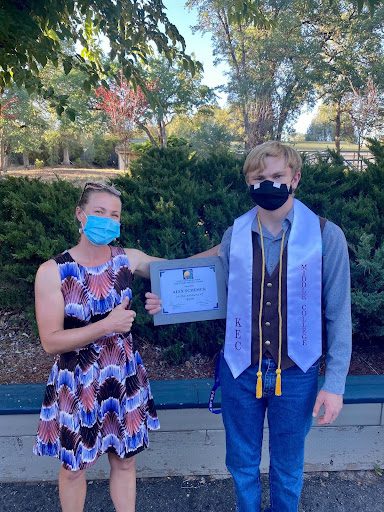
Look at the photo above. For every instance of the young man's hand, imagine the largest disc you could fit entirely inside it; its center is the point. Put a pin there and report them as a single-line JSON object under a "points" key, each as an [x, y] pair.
{"points": [[152, 303], [332, 406]]}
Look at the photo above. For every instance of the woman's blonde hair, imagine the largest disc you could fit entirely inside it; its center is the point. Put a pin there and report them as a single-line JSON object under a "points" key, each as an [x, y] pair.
{"points": [[256, 157]]}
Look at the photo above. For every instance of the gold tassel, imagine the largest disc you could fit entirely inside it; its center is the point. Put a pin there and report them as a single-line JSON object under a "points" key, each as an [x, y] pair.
{"points": [[278, 382], [259, 385]]}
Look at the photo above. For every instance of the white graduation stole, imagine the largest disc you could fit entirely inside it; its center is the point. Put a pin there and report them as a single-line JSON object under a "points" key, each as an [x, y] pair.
{"points": [[304, 288]]}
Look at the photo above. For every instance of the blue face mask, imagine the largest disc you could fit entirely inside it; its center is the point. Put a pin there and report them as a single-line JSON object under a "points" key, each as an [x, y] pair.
{"points": [[101, 230]]}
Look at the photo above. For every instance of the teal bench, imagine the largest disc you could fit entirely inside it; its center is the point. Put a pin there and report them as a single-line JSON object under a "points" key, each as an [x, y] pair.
{"points": [[181, 394]]}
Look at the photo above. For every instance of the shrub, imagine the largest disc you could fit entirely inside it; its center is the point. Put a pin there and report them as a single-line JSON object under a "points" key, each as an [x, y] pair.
{"points": [[39, 164], [176, 204], [37, 222], [103, 151]]}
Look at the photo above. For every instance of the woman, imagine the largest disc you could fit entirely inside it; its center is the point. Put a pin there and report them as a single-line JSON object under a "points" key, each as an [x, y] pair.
{"points": [[98, 399]]}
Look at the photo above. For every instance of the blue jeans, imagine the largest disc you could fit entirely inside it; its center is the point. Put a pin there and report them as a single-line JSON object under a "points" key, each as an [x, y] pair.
{"points": [[289, 420]]}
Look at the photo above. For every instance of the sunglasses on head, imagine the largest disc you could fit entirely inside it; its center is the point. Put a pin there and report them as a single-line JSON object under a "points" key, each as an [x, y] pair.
{"points": [[100, 186]]}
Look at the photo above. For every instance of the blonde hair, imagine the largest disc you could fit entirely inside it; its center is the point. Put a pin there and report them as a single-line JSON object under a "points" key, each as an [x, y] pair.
{"points": [[91, 187], [256, 157]]}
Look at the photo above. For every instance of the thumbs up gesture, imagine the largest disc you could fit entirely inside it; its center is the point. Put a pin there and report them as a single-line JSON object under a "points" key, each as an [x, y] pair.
{"points": [[121, 318]]}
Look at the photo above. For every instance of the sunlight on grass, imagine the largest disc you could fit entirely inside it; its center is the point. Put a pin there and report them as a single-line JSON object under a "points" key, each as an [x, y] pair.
{"points": [[322, 146], [77, 175]]}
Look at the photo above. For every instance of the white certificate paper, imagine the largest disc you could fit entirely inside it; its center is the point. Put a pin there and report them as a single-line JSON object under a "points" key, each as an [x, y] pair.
{"points": [[188, 289]]}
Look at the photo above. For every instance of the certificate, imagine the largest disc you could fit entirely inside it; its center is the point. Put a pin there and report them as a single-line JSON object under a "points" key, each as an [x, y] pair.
{"points": [[190, 289]]}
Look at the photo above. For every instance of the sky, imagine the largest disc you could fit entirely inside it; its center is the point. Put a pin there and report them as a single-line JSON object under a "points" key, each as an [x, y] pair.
{"points": [[201, 46]]}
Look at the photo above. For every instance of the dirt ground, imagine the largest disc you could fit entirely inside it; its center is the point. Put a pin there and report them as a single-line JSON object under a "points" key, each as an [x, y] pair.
{"points": [[75, 174], [22, 359]]}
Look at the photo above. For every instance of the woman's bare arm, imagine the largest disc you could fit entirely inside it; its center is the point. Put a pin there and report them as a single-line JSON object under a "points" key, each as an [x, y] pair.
{"points": [[139, 262], [49, 304]]}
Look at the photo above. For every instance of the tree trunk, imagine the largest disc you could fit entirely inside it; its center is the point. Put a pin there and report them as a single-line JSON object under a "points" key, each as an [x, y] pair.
{"points": [[280, 126], [3, 157], [247, 129], [261, 125], [123, 154], [66, 160], [150, 136], [281, 123], [163, 134], [359, 160], [121, 161], [26, 159], [338, 127]]}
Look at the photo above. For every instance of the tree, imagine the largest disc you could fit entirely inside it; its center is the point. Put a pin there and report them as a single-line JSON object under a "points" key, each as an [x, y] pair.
{"points": [[26, 135], [124, 107], [208, 130], [266, 57], [75, 130], [21, 125], [351, 45], [168, 90], [173, 91], [34, 33], [322, 127], [366, 108], [282, 55], [7, 120]]}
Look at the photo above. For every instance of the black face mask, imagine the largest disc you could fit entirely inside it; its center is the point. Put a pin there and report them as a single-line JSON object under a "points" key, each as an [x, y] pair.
{"points": [[268, 196]]}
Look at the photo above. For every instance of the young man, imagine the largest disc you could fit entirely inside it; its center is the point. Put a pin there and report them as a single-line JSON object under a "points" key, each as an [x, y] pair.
{"points": [[288, 272]]}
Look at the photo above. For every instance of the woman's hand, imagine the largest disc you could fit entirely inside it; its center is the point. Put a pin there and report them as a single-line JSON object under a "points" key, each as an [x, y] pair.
{"points": [[152, 303], [120, 319]]}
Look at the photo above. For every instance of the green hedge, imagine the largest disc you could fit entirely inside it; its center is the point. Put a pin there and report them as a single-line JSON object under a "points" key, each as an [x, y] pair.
{"points": [[177, 204]]}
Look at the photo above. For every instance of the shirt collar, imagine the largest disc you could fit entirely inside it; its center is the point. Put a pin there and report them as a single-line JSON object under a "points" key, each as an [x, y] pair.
{"points": [[287, 223]]}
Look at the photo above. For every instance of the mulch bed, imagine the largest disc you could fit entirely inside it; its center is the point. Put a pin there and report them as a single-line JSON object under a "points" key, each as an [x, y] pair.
{"points": [[22, 359]]}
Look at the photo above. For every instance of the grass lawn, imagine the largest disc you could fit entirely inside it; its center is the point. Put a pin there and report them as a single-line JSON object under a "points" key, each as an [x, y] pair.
{"points": [[77, 175], [321, 146]]}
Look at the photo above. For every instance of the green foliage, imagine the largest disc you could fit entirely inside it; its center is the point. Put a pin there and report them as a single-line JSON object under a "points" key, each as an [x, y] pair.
{"points": [[322, 127], [175, 354], [176, 204], [355, 201], [21, 131], [368, 288], [103, 151], [37, 222], [173, 91], [207, 131], [280, 55], [39, 164], [34, 33]]}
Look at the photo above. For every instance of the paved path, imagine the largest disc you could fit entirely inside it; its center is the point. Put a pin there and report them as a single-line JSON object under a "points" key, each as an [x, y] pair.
{"points": [[325, 492]]}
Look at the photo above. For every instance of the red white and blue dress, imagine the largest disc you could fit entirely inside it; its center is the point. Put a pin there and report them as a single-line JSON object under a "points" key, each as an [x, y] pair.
{"points": [[98, 398]]}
